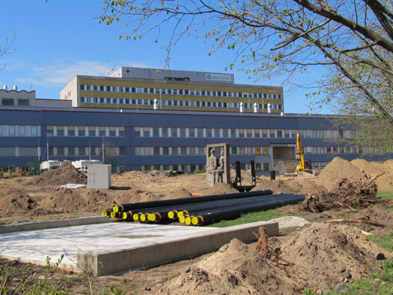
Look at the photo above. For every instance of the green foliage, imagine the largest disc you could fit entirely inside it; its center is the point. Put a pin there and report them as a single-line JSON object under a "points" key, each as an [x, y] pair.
{"points": [[14, 280], [248, 218], [381, 284], [350, 41], [25, 284]]}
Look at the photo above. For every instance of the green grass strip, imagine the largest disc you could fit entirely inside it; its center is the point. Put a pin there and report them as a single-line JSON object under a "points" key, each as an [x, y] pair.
{"points": [[249, 218]]}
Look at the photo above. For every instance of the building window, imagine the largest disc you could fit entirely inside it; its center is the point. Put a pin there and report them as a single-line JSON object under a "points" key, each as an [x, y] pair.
{"points": [[92, 131], [59, 131], [71, 131]]}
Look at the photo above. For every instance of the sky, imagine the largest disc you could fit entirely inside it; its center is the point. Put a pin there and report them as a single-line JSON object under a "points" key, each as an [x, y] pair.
{"points": [[51, 42]]}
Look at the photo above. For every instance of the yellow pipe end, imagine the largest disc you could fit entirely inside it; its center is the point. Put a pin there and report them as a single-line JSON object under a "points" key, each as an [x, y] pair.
{"points": [[116, 209], [180, 214], [198, 220], [182, 219], [113, 214], [194, 220], [157, 216], [151, 217], [172, 214], [104, 213], [135, 217], [125, 215], [188, 220], [142, 217]]}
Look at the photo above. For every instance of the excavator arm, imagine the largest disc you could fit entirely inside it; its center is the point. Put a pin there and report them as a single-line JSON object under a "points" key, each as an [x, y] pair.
{"points": [[300, 156]]}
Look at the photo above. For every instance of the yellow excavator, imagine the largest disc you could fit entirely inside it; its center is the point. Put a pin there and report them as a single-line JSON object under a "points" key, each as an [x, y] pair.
{"points": [[304, 166]]}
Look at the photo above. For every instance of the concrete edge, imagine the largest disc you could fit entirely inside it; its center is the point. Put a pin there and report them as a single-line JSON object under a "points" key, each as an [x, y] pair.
{"points": [[26, 226], [100, 263]]}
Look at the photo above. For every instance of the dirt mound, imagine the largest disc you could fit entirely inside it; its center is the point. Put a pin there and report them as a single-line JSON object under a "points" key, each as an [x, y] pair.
{"points": [[62, 175], [178, 193], [338, 169], [389, 165], [327, 253], [368, 168], [71, 200], [219, 189], [16, 204], [292, 185], [384, 177], [235, 269]]}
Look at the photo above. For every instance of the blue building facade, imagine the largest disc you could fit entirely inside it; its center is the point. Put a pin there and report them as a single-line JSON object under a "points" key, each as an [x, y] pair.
{"points": [[166, 140]]}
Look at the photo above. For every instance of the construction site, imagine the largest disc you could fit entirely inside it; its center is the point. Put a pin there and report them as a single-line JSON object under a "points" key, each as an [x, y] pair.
{"points": [[318, 242]]}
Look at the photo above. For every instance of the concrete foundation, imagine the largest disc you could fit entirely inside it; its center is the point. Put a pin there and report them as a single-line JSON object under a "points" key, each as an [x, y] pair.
{"points": [[115, 247], [100, 263]]}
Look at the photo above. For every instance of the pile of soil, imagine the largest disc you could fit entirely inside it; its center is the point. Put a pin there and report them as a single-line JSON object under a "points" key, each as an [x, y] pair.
{"points": [[317, 257], [15, 203], [382, 173], [302, 184], [325, 254], [339, 169], [236, 268], [59, 176]]}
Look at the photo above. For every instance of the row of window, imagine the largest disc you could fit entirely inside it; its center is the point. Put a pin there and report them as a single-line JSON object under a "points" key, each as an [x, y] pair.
{"points": [[86, 151], [20, 130], [169, 151], [178, 103], [19, 151], [171, 91], [238, 133], [81, 131], [201, 151], [62, 151]]}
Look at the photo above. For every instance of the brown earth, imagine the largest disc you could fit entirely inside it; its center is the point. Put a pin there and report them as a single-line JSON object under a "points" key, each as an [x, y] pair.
{"points": [[318, 256]]}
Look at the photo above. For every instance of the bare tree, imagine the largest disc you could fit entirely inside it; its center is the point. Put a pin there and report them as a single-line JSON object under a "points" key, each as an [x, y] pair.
{"points": [[352, 39], [6, 48]]}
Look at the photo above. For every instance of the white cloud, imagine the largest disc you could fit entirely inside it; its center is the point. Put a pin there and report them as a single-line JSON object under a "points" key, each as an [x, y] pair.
{"points": [[60, 72]]}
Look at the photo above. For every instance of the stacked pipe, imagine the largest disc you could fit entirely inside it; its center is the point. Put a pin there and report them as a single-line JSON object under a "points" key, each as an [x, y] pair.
{"points": [[201, 210]]}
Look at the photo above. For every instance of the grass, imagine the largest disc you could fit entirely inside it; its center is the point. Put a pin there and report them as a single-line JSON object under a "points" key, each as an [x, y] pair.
{"points": [[381, 284], [385, 241], [385, 195], [248, 218]]}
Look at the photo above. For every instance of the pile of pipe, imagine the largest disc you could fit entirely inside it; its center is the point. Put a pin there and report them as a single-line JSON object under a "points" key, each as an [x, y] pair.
{"points": [[201, 210]]}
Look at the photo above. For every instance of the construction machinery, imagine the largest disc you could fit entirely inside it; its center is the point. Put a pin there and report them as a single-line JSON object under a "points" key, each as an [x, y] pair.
{"points": [[304, 166]]}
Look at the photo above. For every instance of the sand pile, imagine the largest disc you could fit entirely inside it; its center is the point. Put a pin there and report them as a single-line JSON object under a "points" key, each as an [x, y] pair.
{"points": [[234, 269], [337, 170], [62, 175], [383, 173], [219, 189], [327, 253], [292, 185], [16, 204]]}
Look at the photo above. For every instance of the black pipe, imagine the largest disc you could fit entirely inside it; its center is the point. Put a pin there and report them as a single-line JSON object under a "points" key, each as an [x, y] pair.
{"points": [[211, 216], [160, 203], [218, 204], [155, 214]]}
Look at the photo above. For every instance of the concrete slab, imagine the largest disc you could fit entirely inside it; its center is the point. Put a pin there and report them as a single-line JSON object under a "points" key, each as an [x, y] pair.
{"points": [[116, 247], [34, 246], [24, 226]]}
